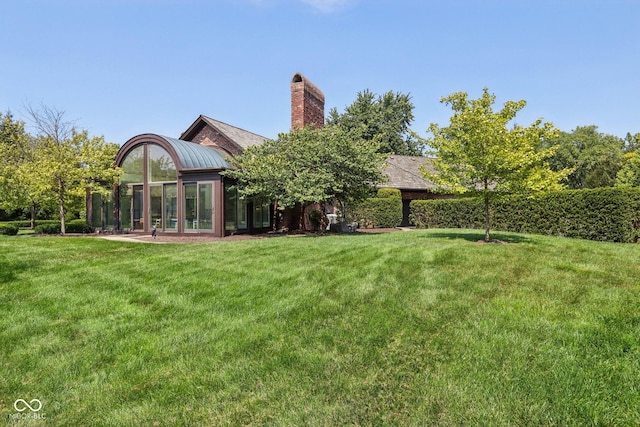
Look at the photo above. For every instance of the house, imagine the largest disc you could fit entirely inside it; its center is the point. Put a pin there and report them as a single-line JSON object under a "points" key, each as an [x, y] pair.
{"points": [[174, 185], [403, 173]]}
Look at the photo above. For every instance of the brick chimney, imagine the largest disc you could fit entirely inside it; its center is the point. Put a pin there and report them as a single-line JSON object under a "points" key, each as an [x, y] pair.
{"points": [[307, 103]]}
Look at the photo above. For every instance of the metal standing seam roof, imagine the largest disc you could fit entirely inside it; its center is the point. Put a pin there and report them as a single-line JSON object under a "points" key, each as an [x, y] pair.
{"points": [[196, 156]]}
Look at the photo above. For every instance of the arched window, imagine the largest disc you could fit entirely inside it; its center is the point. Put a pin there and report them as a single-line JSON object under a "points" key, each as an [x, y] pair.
{"points": [[133, 166], [161, 167]]}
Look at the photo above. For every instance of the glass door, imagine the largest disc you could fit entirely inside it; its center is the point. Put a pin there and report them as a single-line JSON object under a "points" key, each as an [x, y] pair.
{"points": [[171, 207], [155, 202], [137, 205], [205, 206], [198, 206]]}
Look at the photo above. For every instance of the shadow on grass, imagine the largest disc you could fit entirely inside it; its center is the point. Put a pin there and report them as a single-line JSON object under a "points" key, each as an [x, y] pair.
{"points": [[478, 236]]}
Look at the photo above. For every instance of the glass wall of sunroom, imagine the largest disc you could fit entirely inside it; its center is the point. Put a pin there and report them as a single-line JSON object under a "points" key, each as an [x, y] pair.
{"points": [[150, 190]]}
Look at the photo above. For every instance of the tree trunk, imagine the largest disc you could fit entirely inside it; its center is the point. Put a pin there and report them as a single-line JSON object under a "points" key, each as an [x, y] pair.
{"points": [[487, 237], [33, 215], [301, 219], [275, 215], [61, 205]]}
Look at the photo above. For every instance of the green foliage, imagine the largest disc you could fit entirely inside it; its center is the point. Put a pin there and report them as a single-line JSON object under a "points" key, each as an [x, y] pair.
{"points": [[384, 193], [594, 158], [383, 211], [629, 173], [384, 120], [308, 165], [9, 229], [54, 227], [598, 214], [315, 217], [53, 169], [480, 153]]}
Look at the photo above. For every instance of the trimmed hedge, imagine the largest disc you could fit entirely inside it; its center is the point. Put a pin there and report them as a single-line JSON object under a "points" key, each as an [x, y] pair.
{"points": [[9, 229], [384, 211], [74, 226], [606, 214]]}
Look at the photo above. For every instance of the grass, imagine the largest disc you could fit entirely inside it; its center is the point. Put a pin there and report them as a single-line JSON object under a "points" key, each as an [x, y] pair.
{"points": [[417, 328]]}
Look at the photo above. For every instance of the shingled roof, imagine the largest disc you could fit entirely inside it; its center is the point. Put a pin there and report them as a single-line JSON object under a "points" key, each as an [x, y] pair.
{"points": [[403, 172], [240, 137]]}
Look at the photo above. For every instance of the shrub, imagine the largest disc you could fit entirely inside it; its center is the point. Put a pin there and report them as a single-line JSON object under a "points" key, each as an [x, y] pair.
{"points": [[73, 226], [9, 229], [78, 226], [315, 217], [47, 228], [608, 214], [383, 211]]}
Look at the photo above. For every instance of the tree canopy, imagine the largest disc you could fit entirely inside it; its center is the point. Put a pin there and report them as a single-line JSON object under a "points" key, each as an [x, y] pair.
{"points": [[594, 158], [55, 167], [309, 165], [481, 152], [383, 119]]}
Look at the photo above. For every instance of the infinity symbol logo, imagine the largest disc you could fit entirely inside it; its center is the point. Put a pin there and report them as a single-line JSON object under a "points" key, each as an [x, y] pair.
{"points": [[35, 408]]}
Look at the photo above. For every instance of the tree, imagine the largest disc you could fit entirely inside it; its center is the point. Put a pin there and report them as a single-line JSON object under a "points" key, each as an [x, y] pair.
{"points": [[17, 183], [629, 173], [68, 161], [478, 153], [594, 157], [384, 119], [309, 166]]}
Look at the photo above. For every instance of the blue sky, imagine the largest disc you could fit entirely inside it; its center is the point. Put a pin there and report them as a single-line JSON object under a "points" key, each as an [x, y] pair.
{"points": [[125, 67]]}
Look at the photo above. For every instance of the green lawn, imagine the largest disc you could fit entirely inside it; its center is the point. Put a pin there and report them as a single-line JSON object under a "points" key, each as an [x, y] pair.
{"points": [[407, 328]]}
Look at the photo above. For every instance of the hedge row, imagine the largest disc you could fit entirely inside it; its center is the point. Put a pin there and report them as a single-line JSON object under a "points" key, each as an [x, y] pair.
{"points": [[74, 226], [26, 223], [606, 214], [384, 211], [9, 229]]}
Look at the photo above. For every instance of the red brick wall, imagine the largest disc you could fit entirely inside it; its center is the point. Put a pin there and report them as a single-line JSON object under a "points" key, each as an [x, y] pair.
{"points": [[307, 103]]}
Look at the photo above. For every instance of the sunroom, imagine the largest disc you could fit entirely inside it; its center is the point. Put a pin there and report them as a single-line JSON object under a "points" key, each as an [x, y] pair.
{"points": [[175, 186]]}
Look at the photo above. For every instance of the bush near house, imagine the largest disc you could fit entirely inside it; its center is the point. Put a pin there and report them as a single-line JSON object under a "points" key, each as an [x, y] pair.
{"points": [[383, 211], [606, 214], [74, 226]]}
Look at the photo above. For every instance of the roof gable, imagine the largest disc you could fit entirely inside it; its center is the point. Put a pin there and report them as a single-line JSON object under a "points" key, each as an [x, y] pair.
{"points": [[240, 138]]}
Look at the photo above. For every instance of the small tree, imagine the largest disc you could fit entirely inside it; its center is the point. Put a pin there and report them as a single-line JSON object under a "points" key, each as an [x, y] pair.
{"points": [[309, 166], [67, 161], [478, 153]]}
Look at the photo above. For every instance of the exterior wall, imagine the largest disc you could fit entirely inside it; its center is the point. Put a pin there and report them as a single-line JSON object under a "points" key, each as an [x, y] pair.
{"points": [[210, 137], [307, 103]]}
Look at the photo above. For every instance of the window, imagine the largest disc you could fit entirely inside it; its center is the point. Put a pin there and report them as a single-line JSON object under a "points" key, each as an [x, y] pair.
{"points": [[261, 213], [160, 167], [235, 210], [198, 206], [133, 166]]}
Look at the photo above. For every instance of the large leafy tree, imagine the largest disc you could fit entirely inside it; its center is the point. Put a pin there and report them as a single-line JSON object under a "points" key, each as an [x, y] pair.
{"points": [[595, 158], [383, 119], [309, 166], [67, 161], [481, 152], [18, 185]]}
